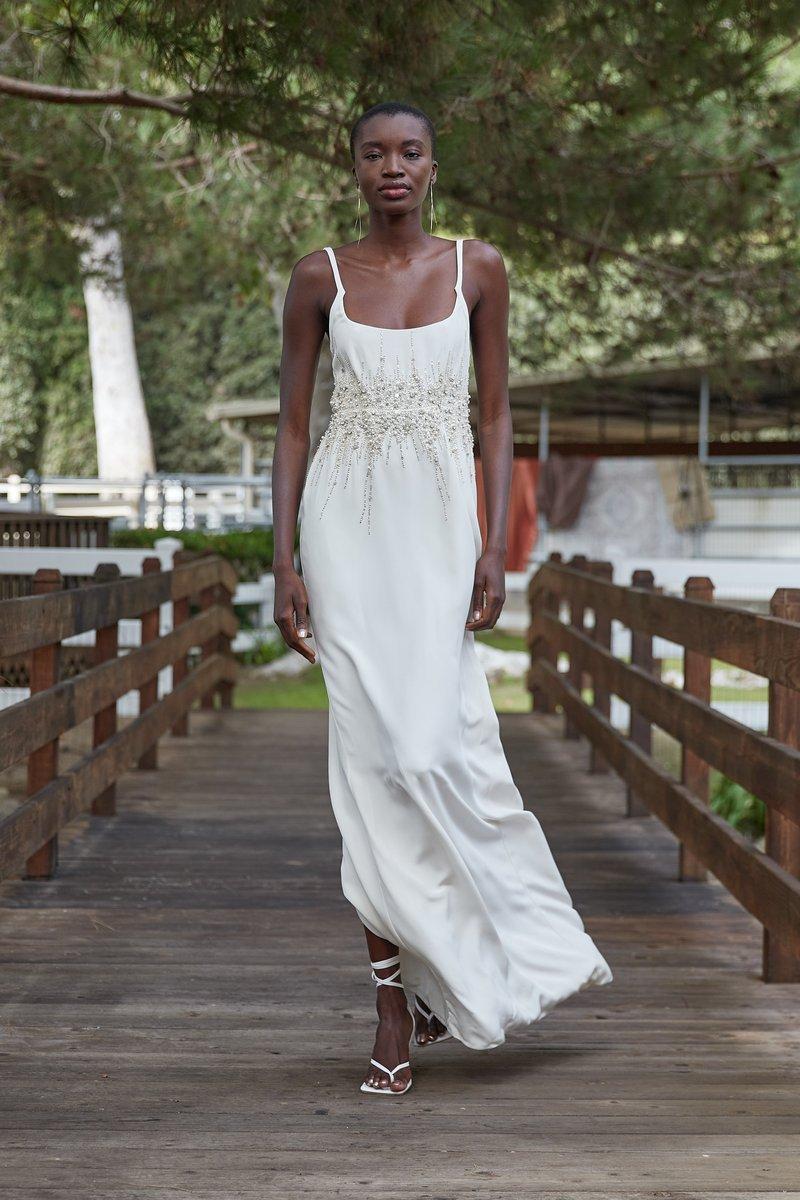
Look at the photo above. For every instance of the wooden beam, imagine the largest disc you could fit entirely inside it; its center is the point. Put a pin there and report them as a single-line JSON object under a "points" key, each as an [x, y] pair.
{"points": [[27, 725], [765, 767], [39, 817], [764, 888], [30, 621], [766, 646]]}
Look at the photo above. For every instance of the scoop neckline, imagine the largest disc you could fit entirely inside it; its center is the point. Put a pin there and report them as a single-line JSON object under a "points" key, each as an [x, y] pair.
{"points": [[342, 292], [401, 328]]}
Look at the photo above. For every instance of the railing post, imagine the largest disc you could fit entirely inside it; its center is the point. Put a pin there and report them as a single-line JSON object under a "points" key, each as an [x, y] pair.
{"points": [[696, 682], [577, 613], [548, 603], [225, 687], [208, 596], [601, 698], [45, 669], [782, 841], [104, 725], [181, 610], [640, 730], [148, 692]]}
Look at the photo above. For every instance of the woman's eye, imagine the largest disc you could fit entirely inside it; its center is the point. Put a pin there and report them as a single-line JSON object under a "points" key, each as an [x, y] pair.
{"points": [[414, 153]]}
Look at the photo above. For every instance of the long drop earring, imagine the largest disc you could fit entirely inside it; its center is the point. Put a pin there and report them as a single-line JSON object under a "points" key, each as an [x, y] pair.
{"points": [[358, 212], [432, 213]]}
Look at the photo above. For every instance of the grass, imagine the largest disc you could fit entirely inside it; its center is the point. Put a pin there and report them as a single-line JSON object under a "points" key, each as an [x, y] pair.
{"points": [[308, 690]]}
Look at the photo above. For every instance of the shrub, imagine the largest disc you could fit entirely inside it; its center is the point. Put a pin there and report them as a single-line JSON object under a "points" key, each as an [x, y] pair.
{"points": [[250, 551], [739, 807]]}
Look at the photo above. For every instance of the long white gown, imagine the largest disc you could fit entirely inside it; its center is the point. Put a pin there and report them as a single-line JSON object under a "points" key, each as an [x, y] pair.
{"points": [[438, 852]]}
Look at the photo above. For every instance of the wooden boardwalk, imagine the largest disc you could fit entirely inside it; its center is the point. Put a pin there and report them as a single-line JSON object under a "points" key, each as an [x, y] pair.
{"points": [[186, 1010]]}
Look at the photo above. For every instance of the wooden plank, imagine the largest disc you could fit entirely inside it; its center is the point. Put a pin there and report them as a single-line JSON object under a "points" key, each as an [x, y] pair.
{"points": [[39, 817], [696, 682], [30, 621], [765, 889], [27, 725], [640, 730], [782, 841], [548, 602], [601, 635], [148, 690], [181, 612], [160, 1037], [764, 766], [43, 762], [104, 724], [767, 646], [577, 618], [208, 597]]}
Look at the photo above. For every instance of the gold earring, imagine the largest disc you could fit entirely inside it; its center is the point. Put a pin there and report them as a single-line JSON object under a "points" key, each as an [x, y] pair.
{"points": [[432, 213], [358, 212]]}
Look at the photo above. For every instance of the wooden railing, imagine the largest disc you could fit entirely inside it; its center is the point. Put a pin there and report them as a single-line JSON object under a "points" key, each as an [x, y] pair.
{"points": [[561, 596], [30, 730]]}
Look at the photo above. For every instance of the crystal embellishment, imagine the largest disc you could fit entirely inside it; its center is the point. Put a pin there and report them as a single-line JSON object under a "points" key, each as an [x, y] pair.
{"points": [[426, 409]]}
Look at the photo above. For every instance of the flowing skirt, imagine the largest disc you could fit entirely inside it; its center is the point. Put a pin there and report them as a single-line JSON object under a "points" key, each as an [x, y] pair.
{"points": [[438, 853]]}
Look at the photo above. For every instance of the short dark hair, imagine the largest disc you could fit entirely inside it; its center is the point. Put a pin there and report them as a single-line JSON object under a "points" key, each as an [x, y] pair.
{"points": [[391, 108]]}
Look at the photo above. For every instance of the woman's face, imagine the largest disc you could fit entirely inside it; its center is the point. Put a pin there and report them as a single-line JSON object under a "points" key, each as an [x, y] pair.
{"points": [[394, 162]]}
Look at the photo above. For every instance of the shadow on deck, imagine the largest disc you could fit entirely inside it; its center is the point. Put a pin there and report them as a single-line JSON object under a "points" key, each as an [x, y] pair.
{"points": [[187, 1009]]}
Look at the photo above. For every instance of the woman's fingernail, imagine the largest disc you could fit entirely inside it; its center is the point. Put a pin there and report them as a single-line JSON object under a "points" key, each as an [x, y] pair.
{"points": [[476, 614]]}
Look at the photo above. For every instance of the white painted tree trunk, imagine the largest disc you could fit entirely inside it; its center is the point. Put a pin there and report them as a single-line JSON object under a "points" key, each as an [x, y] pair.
{"points": [[124, 441]]}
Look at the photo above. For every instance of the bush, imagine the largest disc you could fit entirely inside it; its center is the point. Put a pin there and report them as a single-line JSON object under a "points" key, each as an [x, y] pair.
{"points": [[265, 650], [739, 807], [250, 551]]}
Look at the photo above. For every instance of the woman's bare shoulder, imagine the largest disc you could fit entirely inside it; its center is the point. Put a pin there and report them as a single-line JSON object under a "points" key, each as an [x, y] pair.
{"points": [[483, 254], [312, 269]]}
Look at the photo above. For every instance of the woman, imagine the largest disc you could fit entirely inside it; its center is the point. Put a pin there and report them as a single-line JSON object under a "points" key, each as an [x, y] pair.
{"points": [[469, 928]]}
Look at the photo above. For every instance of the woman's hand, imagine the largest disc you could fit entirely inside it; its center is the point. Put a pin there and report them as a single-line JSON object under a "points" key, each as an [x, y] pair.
{"points": [[490, 580], [291, 610]]}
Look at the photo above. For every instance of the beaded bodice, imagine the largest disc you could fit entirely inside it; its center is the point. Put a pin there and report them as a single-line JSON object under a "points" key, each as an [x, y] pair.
{"points": [[403, 388]]}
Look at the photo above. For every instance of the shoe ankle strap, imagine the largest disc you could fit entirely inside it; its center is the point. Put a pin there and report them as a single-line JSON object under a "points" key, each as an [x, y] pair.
{"points": [[388, 980], [386, 962]]}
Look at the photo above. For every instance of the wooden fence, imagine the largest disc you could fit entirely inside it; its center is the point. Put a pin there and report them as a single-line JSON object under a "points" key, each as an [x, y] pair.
{"points": [[36, 625], [561, 598]]}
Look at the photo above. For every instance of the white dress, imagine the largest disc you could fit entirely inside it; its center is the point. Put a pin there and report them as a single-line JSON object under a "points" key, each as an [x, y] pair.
{"points": [[438, 852]]}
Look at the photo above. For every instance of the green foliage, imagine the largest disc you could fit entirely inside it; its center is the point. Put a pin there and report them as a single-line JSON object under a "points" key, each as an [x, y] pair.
{"points": [[739, 807], [639, 166], [266, 649], [249, 550]]}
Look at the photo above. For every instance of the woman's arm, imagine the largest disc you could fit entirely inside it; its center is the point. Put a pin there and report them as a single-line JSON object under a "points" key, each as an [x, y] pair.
{"points": [[489, 327], [304, 325]]}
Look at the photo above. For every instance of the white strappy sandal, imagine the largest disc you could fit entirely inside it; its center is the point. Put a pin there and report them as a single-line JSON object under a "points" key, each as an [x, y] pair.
{"points": [[427, 1015], [390, 981]]}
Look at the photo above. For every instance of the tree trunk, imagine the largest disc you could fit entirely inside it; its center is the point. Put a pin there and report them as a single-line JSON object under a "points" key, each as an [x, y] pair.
{"points": [[124, 441]]}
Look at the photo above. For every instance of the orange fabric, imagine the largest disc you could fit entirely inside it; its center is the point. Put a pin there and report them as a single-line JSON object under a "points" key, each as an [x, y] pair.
{"points": [[522, 525]]}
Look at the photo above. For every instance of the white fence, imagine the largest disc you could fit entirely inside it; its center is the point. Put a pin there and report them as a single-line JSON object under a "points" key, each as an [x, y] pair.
{"points": [[84, 562], [170, 502]]}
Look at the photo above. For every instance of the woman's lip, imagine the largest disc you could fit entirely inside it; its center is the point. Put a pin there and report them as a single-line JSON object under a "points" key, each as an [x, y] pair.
{"points": [[394, 191]]}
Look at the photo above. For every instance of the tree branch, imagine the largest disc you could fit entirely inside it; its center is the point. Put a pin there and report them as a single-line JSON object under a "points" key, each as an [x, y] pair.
{"points": [[122, 97]]}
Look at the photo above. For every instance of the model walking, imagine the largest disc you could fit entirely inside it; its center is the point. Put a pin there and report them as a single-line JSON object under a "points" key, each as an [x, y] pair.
{"points": [[470, 930]]}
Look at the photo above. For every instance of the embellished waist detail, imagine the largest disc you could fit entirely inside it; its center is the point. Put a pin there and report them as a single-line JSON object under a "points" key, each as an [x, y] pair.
{"points": [[426, 412]]}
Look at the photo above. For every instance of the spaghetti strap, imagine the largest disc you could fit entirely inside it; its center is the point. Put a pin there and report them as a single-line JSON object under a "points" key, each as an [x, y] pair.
{"points": [[335, 269], [459, 264]]}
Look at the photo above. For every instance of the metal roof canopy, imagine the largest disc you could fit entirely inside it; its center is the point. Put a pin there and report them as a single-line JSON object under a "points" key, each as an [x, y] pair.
{"points": [[668, 406]]}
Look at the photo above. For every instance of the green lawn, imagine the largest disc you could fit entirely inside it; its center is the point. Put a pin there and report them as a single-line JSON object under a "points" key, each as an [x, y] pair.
{"points": [[510, 695], [308, 689]]}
